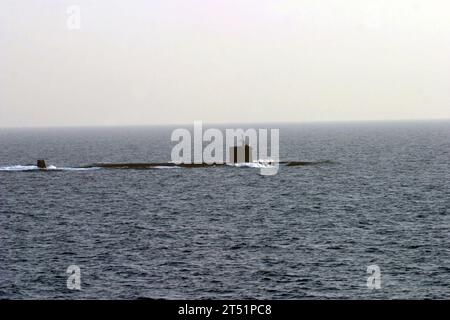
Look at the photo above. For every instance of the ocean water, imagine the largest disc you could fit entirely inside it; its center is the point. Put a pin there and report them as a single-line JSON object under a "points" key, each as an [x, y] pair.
{"points": [[226, 232]]}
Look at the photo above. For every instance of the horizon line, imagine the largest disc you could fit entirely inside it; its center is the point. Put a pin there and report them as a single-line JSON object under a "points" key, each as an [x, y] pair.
{"points": [[223, 123]]}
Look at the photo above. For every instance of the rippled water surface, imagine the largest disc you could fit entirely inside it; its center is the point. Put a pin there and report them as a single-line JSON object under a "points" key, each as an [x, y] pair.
{"points": [[226, 232]]}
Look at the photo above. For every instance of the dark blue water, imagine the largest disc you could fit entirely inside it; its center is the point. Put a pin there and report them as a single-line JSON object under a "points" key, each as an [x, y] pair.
{"points": [[225, 232]]}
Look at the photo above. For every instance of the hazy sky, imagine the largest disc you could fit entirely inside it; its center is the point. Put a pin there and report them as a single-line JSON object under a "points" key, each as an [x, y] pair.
{"points": [[176, 61]]}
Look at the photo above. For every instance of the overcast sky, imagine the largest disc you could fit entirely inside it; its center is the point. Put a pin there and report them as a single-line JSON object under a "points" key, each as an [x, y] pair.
{"points": [[176, 61]]}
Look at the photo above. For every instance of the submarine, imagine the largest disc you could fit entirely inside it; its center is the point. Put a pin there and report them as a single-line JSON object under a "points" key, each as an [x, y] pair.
{"points": [[41, 164], [238, 155]]}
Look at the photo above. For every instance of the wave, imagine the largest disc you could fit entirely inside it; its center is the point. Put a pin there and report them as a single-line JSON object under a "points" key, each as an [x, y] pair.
{"points": [[18, 168], [259, 164], [262, 163], [21, 168], [167, 167]]}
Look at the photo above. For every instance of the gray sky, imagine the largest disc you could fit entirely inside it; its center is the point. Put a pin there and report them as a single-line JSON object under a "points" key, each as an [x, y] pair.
{"points": [[176, 61]]}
